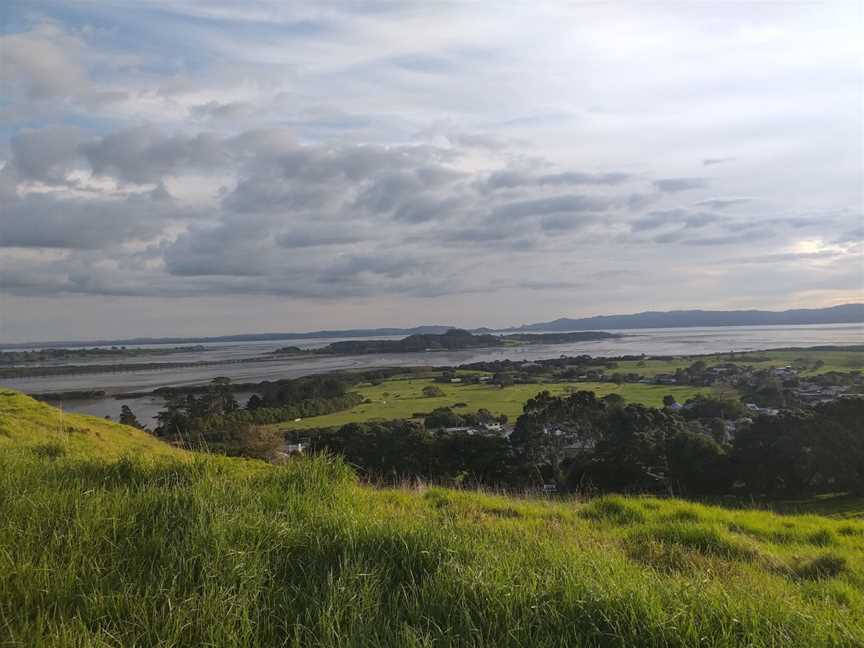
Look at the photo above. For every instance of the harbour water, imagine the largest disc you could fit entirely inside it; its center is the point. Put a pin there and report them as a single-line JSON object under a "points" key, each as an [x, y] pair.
{"points": [[670, 341]]}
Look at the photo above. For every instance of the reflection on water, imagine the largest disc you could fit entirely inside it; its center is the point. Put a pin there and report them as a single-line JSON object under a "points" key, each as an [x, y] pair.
{"points": [[679, 341]]}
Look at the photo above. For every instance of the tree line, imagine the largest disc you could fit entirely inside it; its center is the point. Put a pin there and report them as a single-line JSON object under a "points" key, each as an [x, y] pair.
{"points": [[584, 443]]}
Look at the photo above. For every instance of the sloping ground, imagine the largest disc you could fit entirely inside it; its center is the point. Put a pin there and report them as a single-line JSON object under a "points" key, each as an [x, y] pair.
{"points": [[27, 422], [97, 552]]}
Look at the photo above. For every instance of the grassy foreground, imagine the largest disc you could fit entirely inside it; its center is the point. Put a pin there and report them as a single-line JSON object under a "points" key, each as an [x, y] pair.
{"points": [[159, 550]]}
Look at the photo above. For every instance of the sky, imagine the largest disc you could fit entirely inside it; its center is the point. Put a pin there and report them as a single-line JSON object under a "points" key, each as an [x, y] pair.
{"points": [[205, 167]]}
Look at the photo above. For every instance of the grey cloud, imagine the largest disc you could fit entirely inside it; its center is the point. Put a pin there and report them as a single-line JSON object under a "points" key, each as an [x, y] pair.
{"points": [[563, 203], [220, 251], [731, 239], [672, 185], [476, 234], [43, 220], [716, 160], [45, 61], [483, 141], [722, 203], [559, 223], [48, 154], [320, 236], [669, 237], [142, 155], [680, 217], [552, 285], [389, 190], [786, 257], [635, 202], [852, 236], [423, 208], [510, 179], [264, 142], [217, 110], [268, 192]]}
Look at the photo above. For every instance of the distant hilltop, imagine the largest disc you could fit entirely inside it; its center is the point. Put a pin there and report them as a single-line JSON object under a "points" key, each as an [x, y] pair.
{"points": [[845, 314]]}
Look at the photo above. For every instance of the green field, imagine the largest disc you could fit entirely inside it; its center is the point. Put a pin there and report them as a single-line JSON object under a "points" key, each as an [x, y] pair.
{"points": [[403, 398], [842, 361], [166, 548]]}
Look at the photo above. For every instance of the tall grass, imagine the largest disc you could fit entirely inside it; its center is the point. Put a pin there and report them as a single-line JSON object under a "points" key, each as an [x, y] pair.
{"points": [[216, 552]]}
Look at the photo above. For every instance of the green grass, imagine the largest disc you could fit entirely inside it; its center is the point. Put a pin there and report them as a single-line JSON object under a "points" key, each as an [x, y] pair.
{"points": [[842, 361], [174, 553], [161, 550], [402, 398], [30, 423]]}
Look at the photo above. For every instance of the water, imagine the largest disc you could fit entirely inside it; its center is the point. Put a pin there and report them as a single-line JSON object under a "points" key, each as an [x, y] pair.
{"points": [[670, 341]]}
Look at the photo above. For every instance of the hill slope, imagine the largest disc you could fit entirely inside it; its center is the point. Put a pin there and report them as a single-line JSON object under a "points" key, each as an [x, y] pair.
{"points": [[25, 422], [104, 552], [844, 314]]}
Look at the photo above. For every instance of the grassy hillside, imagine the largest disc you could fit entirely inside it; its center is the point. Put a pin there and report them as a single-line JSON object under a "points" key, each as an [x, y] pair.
{"points": [[169, 552], [403, 397], [25, 422]]}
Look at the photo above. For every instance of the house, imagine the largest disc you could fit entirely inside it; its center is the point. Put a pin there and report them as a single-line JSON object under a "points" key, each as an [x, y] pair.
{"points": [[768, 411]]}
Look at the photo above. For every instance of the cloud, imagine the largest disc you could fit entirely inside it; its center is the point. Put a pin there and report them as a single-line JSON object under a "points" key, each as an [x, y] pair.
{"points": [[45, 220], [141, 155], [47, 155], [678, 217], [215, 110], [674, 185], [511, 179], [45, 62], [787, 257], [731, 239], [382, 152], [716, 160], [566, 203], [722, 203]]}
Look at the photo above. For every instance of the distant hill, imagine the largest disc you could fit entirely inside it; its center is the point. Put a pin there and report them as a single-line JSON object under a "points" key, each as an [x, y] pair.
{"points": [[451, 340], [458, 339], [845, 314], [240, 337]]}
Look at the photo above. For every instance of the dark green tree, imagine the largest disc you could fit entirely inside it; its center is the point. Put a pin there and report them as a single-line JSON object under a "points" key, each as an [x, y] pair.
{"points": [[127, 417], [697, 465]]}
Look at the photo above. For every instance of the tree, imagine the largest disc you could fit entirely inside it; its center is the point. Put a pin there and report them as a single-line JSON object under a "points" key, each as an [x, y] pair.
{"points": [[173, 421], [550, 426], [127, 417], [630, 453], [219, 399], [502, 379], [431, 391], [697, 464], [442, 417], [719, 406], [775, 455], [254, 402], [255, 441]]}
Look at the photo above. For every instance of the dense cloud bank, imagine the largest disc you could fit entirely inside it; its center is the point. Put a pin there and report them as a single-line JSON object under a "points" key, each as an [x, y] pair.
{"points": [[383, 152]]}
